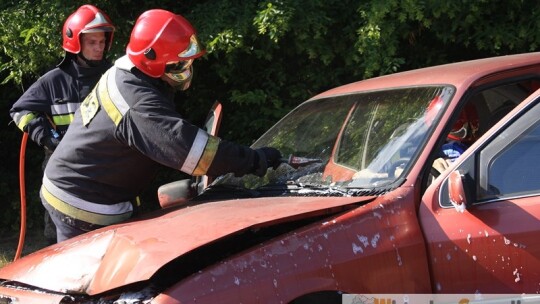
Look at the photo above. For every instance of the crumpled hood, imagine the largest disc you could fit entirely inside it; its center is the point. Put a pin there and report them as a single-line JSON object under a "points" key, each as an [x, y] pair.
{"points": [[126, 253]]}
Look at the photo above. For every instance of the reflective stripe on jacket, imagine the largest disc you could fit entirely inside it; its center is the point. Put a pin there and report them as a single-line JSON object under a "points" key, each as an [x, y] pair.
{"points": [[98, 214], [53, 99]]}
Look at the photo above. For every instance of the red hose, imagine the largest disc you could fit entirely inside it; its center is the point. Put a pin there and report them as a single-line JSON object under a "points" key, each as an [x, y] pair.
{"points": [[23, 196]]}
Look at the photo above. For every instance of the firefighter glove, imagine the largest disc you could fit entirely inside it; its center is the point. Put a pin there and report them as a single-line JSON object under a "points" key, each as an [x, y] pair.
{"points": [[441, 164], [266, 157], [50, 143]]}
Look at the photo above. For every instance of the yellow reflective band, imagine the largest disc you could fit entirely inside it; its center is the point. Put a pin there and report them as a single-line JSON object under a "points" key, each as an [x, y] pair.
{"points": [[207, 157], [63, 120], [25, 119], [104, 98], [83, 215]]}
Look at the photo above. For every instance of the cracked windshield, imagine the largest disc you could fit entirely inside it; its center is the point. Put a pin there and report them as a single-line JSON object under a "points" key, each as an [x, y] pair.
{"points": [[364, 140]]}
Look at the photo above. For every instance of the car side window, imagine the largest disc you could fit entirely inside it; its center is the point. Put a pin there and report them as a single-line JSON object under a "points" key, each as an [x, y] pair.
{"points": [[512, 170], [505, 167], [483, 109], [509, 164]]}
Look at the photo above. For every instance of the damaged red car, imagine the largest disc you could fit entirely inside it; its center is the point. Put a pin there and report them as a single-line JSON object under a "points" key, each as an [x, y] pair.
{"points": [[355, 208]]}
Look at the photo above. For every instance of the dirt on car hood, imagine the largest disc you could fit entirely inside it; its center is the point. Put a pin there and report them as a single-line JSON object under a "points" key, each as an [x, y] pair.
{"points": [[131, 252]]}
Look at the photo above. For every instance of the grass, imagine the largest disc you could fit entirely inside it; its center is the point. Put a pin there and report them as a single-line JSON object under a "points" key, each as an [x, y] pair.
{"points": [[4, 259], [34, 240]]}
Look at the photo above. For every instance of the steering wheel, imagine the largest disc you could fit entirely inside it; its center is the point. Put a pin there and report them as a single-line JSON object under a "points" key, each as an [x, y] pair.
{"points": [[434, 172]]}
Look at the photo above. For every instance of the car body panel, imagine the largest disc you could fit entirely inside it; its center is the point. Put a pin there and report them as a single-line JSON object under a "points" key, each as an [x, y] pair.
{"points": [[461, 75], [28, 296], [377, 248], [141, 247]]}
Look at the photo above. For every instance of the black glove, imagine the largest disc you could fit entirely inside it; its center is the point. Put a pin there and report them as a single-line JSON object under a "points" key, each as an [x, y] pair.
{"points": [[50, 143], [266, 157]]}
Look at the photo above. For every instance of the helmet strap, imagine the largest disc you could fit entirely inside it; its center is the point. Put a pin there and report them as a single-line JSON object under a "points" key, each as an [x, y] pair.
{"points": [[88, 62]]}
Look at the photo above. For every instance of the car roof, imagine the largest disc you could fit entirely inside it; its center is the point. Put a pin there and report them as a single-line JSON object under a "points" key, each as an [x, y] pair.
{"points": [[457, 74]]}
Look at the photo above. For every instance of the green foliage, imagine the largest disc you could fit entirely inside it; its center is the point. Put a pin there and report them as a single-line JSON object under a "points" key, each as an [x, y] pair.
{"points": [[272, 55], [273, 20], [400, 35], [265, 57], [28, 46]]}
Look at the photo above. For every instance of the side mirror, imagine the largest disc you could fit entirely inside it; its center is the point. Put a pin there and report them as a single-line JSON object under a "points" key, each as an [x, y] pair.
{"points": [[175, 193], [456, 191]]}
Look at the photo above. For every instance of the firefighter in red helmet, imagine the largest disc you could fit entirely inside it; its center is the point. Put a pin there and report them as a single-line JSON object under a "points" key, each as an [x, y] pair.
{"points": [[46, 109], [464, 132], [465, 129], [87, 20], [128, 128]]}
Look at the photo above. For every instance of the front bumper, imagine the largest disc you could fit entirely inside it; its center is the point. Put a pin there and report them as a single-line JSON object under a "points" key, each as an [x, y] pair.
{"points": [[20, 295]]}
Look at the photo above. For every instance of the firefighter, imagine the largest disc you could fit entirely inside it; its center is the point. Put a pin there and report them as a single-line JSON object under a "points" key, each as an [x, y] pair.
{"points": [[463, 134], [128, 128], [46, 109]]}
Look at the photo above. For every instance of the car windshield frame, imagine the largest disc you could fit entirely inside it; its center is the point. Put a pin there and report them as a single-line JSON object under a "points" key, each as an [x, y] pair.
{"points": [[361, 140]]}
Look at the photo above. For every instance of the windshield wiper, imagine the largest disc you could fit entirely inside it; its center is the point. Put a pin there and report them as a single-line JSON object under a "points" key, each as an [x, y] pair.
{"points": [[307, 189]]}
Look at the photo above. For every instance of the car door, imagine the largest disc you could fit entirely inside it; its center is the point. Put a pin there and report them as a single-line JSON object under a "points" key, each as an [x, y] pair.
{"points": [[211, 125], [481, 220]]}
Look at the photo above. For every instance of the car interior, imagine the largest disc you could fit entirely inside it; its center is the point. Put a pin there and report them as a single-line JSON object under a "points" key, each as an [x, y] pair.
{"points": [[493, 103]]}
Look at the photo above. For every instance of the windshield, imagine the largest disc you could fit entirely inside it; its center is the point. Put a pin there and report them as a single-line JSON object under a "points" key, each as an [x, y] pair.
{"points": [[362, 140]]}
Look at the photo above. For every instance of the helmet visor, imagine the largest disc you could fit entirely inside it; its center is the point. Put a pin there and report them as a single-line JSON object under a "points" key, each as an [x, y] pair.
{"points": [[99, 24], [193, 49]]}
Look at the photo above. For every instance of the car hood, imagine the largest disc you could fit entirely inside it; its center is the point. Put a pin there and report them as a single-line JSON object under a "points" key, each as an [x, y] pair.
{"points": [[131, 252]]}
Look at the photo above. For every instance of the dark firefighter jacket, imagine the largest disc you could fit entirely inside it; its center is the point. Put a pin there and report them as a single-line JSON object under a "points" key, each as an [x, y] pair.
{"points": [[53, 99], [123, 132]]}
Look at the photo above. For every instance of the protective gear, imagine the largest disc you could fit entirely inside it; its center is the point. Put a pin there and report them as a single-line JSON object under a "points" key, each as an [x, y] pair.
{"points": [[160, 38], [57, 94], [440, 164], [86, 19], [449, 153], [125, 131], [453, 149], [50, 142], [50, 103], [180, 79], [266, 157], [465, 129]]}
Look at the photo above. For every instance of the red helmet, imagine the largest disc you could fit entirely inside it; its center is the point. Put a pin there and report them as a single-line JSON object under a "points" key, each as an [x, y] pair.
{"points": [[85, 19], [161, 38], [465, 129]]}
